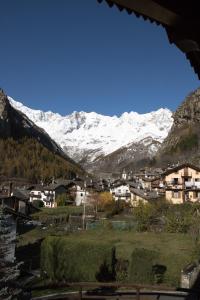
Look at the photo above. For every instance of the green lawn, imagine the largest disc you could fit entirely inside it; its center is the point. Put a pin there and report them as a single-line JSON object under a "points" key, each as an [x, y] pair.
{"points": [[60, 210], [176, 250]]}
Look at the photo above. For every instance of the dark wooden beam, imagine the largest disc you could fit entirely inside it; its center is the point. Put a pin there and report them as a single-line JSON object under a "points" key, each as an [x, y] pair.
{"points": [[182, 29], [150, 9]]}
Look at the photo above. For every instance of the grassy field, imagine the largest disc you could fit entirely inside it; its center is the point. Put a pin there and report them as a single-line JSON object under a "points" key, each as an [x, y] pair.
{"points": [[176, 250], [60, 210]]}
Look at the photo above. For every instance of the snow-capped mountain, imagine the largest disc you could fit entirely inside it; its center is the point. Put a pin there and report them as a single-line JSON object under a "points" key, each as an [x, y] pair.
{"points": [[89, 136]]}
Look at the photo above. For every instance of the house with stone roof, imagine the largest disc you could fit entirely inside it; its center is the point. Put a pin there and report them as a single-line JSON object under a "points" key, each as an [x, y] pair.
{"points": [[182, 183]]}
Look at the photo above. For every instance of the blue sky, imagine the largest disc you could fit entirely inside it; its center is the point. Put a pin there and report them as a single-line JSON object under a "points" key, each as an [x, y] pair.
{"points": [[66, 55]]}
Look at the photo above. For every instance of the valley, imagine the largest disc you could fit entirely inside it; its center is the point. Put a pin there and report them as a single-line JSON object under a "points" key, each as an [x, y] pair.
{"points": [[130, 213]]}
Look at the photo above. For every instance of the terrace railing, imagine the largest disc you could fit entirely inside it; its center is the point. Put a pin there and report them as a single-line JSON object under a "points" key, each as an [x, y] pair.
{"points": [[104, 290]]}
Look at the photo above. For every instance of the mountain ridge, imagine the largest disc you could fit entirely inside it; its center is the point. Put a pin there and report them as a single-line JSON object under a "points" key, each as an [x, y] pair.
{"points": [[183, 140], [19, 135], [91, 136]]}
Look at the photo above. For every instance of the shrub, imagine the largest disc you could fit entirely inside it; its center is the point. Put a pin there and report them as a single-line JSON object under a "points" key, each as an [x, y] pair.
{"points": [[38, 203], [122, 269], [159, 271], [141, 266], [67, 259], [106, 201], [61, 200], [143, 215], [179, 218]]}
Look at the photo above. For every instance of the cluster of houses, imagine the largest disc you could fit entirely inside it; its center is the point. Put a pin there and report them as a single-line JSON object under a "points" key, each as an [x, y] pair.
{"points": [[177, 184]]}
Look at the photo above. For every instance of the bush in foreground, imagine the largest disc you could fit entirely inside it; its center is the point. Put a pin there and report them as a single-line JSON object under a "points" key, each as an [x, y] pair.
{"points": [[73, 260]]}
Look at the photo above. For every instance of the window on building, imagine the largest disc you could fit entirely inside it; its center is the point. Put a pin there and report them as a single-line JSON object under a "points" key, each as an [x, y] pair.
{"points": [[195, 195], [175, 180], [176, 194]]}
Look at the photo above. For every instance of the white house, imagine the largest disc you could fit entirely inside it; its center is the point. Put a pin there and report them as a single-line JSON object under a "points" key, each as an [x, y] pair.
{"points": [[81, 195], [47, 194], [124, 175], [121, 191], [79, 191]]}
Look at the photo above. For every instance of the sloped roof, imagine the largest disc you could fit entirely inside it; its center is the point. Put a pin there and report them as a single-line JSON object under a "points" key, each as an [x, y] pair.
{"points": [[53, 186], [180, 19], [21, 194], [179, 167], [151, 195]]}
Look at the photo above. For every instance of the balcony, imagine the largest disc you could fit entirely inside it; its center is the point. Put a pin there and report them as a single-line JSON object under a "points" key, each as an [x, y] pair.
{"points": [[192, 184], [174, 184], [124, 195], [197, 184], [48, 198], [189, 184]]}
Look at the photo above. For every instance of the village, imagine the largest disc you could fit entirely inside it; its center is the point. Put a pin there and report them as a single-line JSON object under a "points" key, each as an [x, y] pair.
{"points": [[177, 184]]}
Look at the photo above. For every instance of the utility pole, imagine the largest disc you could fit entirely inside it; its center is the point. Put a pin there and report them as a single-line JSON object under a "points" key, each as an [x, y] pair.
{"points": [[83, 215]]}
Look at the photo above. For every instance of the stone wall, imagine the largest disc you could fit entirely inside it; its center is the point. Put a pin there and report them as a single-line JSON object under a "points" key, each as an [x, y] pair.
{"points": [[189, 275]]}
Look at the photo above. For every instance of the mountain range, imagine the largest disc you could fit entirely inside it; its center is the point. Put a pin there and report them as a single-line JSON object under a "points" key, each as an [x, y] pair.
{"points": [[98, 141], [110, 143]]}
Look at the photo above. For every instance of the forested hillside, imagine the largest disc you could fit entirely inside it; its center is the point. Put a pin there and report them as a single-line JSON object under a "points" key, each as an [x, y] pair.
{"points": [[29, 159], [27, 150]]}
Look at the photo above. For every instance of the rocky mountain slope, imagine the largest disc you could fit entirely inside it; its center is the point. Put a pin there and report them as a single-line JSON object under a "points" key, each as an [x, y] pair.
{"points": [[128, 157], [89, 137], [183, 142], [17, 129]]}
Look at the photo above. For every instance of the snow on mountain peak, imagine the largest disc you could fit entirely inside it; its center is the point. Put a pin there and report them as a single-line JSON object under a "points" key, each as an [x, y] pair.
{"points": [[82, 132]]}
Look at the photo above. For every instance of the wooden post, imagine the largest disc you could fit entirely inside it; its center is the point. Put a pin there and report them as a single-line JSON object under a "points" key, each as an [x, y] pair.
{"points": [[80, 293], [137, 294]]}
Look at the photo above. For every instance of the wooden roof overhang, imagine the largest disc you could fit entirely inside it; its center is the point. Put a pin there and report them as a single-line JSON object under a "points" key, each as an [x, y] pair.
{"points": [[180, 19], [182, 166]]}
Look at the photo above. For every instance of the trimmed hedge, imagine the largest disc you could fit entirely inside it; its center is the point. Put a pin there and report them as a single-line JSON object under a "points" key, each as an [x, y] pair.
{"points": [[71, 260]]}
